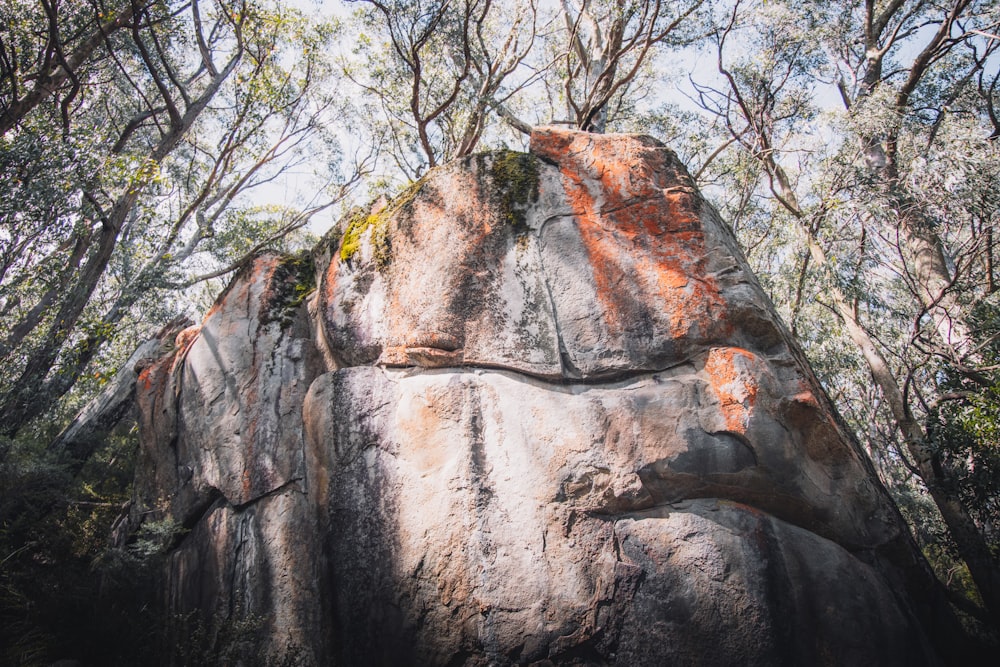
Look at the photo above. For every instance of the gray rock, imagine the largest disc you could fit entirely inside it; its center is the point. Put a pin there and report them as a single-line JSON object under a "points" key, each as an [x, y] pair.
{"points": [[223, 458], [537, 411]]}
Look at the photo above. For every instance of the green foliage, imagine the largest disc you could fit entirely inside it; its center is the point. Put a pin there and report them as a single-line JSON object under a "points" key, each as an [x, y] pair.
{"points": [[155, 538], [238, 639], [64, 593], [964, 429]]}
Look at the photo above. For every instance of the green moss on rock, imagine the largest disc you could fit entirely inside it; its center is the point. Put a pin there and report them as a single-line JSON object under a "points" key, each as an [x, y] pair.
{"points": [[293, 281], [378, 224], [353, 235], [515, 183]]}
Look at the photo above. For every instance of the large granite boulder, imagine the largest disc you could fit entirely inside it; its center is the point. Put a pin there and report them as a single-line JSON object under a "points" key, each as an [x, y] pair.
{"points": [[536, 411]]}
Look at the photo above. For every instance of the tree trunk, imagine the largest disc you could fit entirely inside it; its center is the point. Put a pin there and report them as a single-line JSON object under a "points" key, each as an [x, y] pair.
{"points": [[923, 253], [972, 547]]}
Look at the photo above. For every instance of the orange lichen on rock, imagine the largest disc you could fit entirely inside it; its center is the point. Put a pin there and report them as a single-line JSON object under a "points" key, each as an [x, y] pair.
{"points": [[155, 374], [259, 271], [807, 398], [328, 286], [733, 375], [641, 199], [182, 343]]}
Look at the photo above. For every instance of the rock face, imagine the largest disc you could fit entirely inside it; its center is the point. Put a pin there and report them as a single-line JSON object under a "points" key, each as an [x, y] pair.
{"points": [[536, 411]]}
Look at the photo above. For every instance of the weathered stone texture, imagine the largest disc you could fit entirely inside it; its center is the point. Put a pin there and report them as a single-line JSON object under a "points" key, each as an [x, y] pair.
{"points": [[558, 422], [497, 515], [223, 455]]}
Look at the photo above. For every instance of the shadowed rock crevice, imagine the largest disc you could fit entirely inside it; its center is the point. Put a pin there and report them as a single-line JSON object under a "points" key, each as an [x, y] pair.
{"points": [[536, 411], [718, 453]]}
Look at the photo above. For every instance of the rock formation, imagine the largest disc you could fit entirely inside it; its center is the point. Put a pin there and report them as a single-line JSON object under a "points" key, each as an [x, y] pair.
{"points": [[536, 410]]}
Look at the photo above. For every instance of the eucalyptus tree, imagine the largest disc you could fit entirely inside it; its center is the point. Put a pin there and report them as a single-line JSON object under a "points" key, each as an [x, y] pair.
{"points": [[433, 75], [890, 195], [47, 48], [605, 45], [439, 78], [139, 163]]}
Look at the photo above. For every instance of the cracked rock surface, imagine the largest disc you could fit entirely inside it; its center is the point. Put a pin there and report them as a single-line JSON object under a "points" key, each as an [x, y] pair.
{"points": [[537, 411]]}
